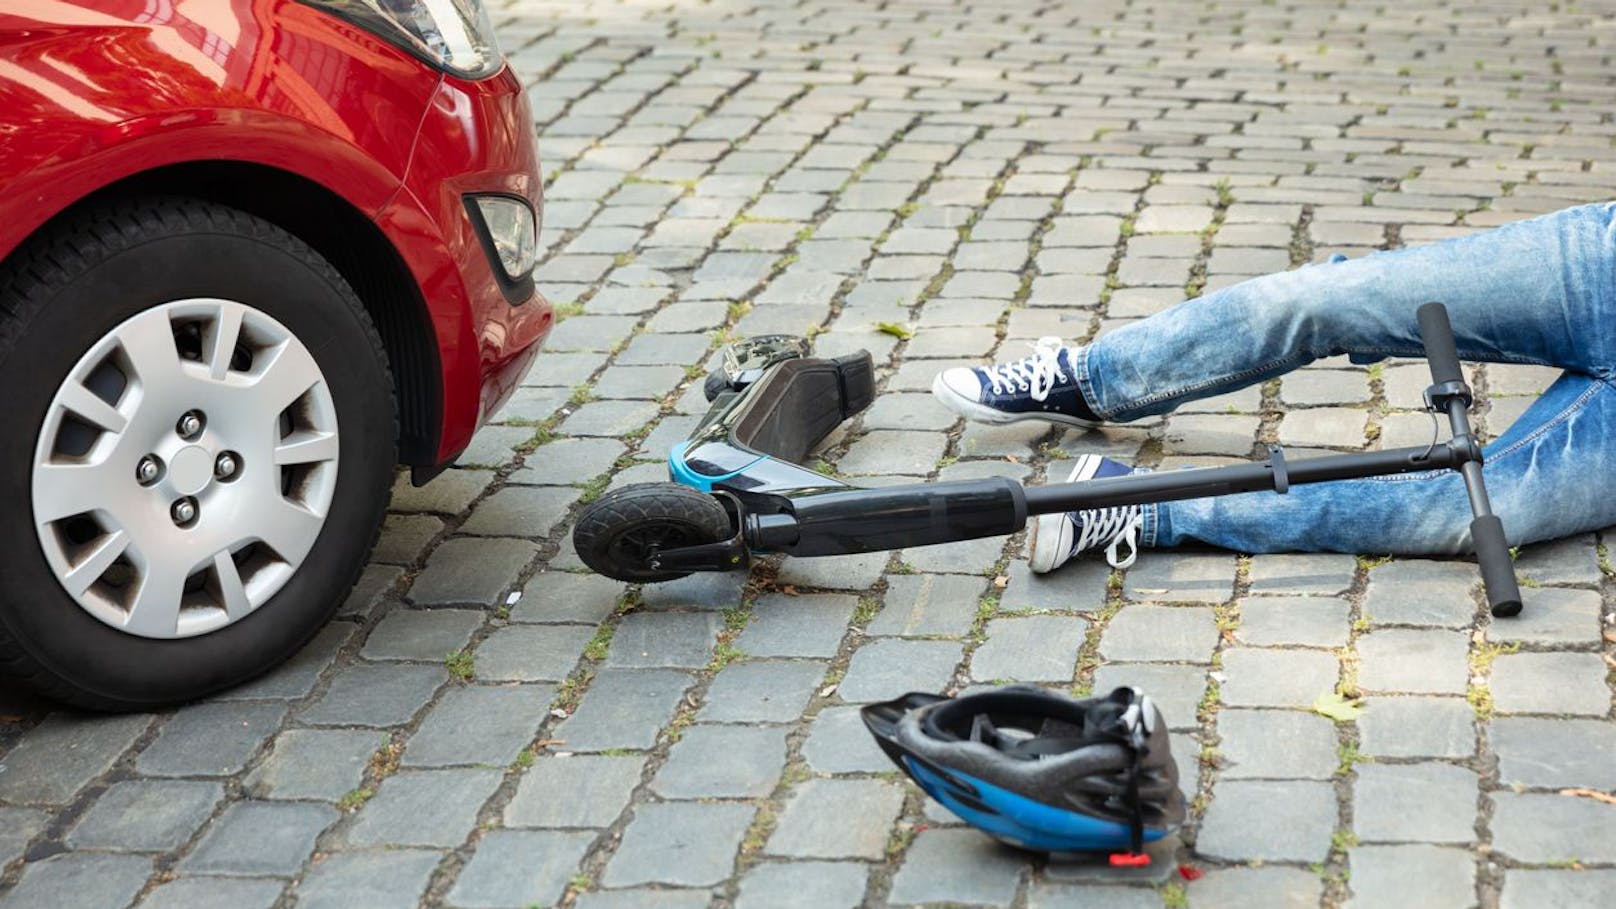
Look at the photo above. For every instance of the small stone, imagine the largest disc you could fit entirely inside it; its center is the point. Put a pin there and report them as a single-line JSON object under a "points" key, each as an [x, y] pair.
{"points": [[1417, 727], [95, 881], [424, 635], [519, 868], [623, 708], [1310, 621], [1080, 585], [1049, 895], [1160, 634], [375, 695], [1421, 592], [681, 640], [314, 764], [558, 596], [582, 790], [684, 844], [1271, 888], [260, 838], [210, 739], [146, 815], [723, 762], [645, 898], [811, 625], [1417, 875], [755, 691], [817, 824], [531, 653], [957, 865], [1277, 678], [1552, 615], [214, 893], [1559, 683], [1396, 659], [1446, 795], [1533, 888], [396, 877], [54, 759], [1273, 821], [887, 667], [521, 511], [1187, 578], [1276, 744], [803, 885], [1545, 752], [424, 808], [1541, 828], [471, 571], [479, 725], [1029, 649], [17, 827]]}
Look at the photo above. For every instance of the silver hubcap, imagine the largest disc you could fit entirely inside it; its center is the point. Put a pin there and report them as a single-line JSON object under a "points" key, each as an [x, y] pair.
{"points": [[185, 468]]}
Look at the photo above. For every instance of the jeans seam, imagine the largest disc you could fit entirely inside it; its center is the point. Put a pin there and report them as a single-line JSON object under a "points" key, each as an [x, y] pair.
{"points": [[1182, 390]]}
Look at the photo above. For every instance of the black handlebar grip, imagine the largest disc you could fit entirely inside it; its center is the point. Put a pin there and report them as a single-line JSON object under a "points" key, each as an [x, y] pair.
{"points": [[1497, 569], [1436, 333]]}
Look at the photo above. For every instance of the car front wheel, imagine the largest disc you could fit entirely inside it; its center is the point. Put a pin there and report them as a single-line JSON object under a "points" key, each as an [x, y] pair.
{"points": [[202, 425]]}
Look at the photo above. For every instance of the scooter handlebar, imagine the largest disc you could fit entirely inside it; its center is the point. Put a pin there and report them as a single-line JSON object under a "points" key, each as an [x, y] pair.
{"points": [[1436, 333]]}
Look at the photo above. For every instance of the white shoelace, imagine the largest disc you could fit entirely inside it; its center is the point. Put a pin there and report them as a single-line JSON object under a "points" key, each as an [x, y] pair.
{"points": [[1035, 375], [1109, 527]]}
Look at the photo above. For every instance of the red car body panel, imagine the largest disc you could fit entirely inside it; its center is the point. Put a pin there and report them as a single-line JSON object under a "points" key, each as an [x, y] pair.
{"points": [[96, 91]]}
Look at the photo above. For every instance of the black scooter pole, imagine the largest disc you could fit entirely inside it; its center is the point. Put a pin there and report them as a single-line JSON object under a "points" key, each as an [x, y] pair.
{"points": [[1449, 393]]}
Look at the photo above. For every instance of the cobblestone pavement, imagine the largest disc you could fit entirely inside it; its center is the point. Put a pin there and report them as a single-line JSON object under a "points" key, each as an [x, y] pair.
{"points": [[983, 174]]}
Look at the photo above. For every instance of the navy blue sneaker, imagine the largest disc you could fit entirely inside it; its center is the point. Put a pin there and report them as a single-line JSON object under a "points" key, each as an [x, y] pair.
{"points": [[1057, 537], [1040, 387]]}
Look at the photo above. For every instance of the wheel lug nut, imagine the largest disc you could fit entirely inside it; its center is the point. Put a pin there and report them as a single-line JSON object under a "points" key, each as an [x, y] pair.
{"points": [[226, 466], [148, 470], [184, 511], [190, 425]]}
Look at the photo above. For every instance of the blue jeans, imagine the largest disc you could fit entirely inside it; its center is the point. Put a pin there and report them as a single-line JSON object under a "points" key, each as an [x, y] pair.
{"points": [[1541, 291]]}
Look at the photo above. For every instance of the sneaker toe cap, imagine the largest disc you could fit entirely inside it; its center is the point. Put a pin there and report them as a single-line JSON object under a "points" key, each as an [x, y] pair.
{"points": [[961, 382]]}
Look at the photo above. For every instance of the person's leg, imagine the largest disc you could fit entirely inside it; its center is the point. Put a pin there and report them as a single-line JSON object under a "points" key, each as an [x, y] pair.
{"points": [[1540, 291], [1553, 473]]}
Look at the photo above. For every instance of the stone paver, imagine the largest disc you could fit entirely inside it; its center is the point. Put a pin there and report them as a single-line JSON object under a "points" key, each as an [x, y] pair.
{"points": [[978, 177], [210, 740], [802, 885], [578, 791], [686, 844], [260, 838], [723, 762], [89, 880], [392, 878], [146, 815], [519, 868], [816, 822], [423, 808]]}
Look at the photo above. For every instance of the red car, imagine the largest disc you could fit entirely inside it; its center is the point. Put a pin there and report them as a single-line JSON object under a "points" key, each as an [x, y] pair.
{"points": [[253, 254]]}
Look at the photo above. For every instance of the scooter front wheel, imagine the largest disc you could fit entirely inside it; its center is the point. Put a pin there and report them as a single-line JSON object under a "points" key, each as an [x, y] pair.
{"points": [[619, 534]]}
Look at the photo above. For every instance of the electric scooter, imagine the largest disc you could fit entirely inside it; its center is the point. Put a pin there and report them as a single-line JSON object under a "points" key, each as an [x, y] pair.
{"points": [[739, 488]]}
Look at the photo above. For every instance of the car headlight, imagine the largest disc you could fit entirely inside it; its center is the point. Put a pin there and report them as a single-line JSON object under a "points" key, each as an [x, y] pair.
{"points": [[509, 226], [453, 35]]}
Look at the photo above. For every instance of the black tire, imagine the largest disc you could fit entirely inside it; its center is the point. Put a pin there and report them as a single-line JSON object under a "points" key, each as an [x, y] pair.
{"points": [[617, 534], [72, 285]]}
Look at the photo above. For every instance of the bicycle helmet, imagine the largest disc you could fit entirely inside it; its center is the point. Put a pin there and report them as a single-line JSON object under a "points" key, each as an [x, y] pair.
{"points": [[1039, 770]]}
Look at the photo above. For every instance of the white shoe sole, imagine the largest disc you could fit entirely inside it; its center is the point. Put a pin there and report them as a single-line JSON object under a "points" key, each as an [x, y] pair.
{"points": [[981, 413], [1050, 543]]}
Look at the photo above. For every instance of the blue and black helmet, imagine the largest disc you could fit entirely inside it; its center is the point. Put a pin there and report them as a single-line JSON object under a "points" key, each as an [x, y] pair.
{"points": [[1039, 770]]}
